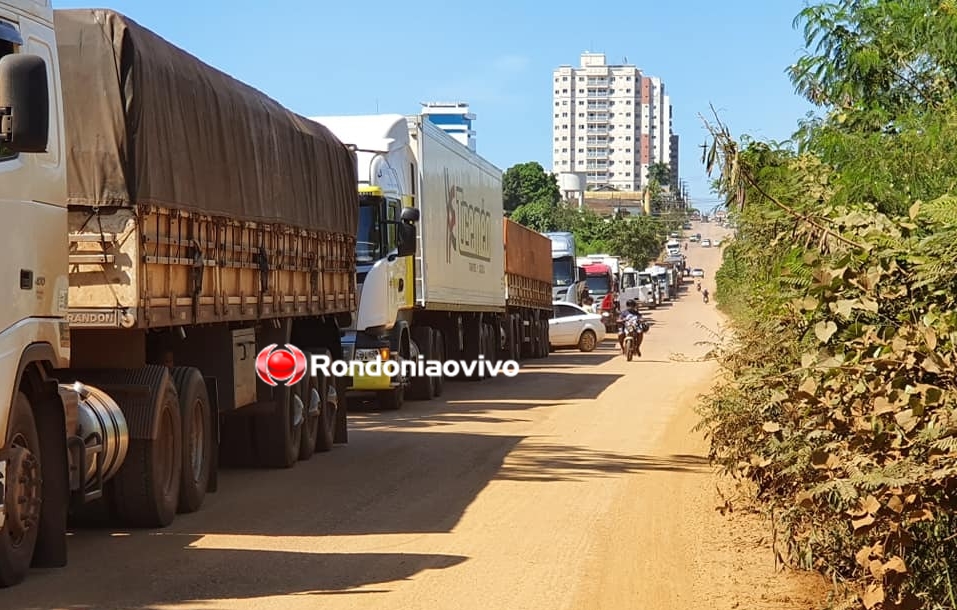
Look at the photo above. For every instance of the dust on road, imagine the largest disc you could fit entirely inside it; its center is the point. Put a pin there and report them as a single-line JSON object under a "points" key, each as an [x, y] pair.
{"points": [[576, 485]]}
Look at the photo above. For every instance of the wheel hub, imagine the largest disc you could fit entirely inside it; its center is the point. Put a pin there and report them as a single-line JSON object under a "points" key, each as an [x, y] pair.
{"points": [[22, 501]]}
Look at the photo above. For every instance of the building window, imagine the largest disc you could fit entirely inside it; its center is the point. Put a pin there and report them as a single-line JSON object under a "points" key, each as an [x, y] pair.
{"points": [[627, 114], [565, 91], [581, 150], [627, 150], [564, 150], [556, 115]]}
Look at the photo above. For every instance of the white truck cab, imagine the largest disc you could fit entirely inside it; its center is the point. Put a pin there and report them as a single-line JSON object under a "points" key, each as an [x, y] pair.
{"points": [[34, 337]]}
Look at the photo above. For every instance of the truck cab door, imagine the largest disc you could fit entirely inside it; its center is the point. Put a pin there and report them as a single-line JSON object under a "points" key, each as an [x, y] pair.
{"points": [[400, 289]]}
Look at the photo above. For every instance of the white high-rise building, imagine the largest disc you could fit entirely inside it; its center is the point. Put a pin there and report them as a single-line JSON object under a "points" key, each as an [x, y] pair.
{"points": [[610, 122]]}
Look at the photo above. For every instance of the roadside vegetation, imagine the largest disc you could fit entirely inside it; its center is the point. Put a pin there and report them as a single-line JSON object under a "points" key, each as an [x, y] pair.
{"points": [[841, 283]]}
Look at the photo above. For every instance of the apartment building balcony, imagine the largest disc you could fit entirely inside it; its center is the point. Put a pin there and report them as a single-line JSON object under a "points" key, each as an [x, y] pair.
{"points": [[597, 131], [597, 153], [598, 117], [598, 106], [597, 141], [597, 81], [598, 92], [601, 167]]}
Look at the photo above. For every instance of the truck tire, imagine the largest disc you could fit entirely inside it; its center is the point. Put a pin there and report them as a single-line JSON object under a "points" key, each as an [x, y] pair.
{"points": [[328, 408], [18, 536], [146, 488], [422, 388], [310, 423], [278, 435], [342, 411], [438, 351], [198, 442]]}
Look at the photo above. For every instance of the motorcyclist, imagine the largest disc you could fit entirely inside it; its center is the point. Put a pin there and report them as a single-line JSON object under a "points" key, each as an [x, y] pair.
{"points": [[630, 315], [705, 295]]}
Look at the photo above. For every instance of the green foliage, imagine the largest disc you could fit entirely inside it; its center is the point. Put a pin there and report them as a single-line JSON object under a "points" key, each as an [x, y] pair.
{"points": [[529, 184], [879, 57], [841, 283], [638, 240], [660, 173]]}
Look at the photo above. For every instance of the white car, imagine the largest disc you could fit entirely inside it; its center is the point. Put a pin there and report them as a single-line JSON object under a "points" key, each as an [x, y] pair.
{"points": [[697, 272], [705, 243], [572, 326]]}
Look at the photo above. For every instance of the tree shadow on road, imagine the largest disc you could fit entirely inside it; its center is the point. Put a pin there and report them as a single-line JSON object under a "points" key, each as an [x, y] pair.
{"points": [[543, 462]]}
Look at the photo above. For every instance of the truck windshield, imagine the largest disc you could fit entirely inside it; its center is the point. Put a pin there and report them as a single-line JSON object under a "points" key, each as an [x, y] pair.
{"points": [[562, 273], [627, 280], [598, 284], [369, 235]]}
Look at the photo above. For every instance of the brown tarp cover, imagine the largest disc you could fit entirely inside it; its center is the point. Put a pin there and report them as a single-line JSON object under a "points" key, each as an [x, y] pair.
{"points": [[148, 123]]}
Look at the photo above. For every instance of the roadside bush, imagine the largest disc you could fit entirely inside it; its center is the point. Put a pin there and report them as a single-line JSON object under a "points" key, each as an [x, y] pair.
{"points": [[843, 408]]}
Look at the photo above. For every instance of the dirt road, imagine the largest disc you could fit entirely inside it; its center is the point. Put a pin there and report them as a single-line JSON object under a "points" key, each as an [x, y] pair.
{"points": [[576, 485]]}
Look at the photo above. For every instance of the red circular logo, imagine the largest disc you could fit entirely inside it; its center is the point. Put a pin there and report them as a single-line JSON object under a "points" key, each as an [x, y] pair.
{"points": [[286, 364]]}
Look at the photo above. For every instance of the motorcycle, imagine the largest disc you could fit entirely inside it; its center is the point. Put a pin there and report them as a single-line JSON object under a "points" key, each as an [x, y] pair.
{"points": [[633, 330], [706, 296]]}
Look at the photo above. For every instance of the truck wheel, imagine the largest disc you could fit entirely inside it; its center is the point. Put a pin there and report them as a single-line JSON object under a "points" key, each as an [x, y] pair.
{"points": [[328, 414], [198, 442], [543, 341], [327, 396], [308, 392], [146, 488], [342, 411], [23, 494], [422, 388], [438, 351], [279, 433]]}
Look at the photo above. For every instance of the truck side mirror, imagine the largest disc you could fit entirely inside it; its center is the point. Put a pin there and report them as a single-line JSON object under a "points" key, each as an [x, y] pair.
{"points": [[409, 215], [24, 103], [406, 238]]}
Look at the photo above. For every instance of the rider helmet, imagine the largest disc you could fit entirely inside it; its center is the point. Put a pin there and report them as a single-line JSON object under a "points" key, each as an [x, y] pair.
{"points": [[630, 304]]}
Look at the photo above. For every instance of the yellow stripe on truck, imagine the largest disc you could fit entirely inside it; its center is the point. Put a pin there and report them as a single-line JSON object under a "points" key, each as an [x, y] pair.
{"points": [[409, 262]]}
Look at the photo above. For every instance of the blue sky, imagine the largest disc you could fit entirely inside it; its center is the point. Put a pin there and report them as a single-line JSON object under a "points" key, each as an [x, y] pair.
{"points": [[343, 58]]}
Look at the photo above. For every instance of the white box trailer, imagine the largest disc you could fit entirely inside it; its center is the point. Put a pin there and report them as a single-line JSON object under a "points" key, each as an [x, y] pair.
{"points": [[462, 243], [448, 300]]}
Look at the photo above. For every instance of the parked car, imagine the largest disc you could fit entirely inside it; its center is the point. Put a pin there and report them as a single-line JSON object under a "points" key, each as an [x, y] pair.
{"points": [[705, 243], [572, 326], [696, 272]]}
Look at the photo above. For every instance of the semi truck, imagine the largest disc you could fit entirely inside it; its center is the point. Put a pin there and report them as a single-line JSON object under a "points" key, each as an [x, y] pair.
{"points": [[568, 277], [167, 226], [447, 301]]}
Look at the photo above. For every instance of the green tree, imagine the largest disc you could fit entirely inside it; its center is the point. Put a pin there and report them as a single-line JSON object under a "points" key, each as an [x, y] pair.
{"points": [[878, 57], [542, 216], [637, 240], [527, 183], [660, 173]]}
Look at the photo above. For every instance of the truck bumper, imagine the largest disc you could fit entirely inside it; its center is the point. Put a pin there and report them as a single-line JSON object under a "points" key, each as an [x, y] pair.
{"points": [[362, 347]]}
